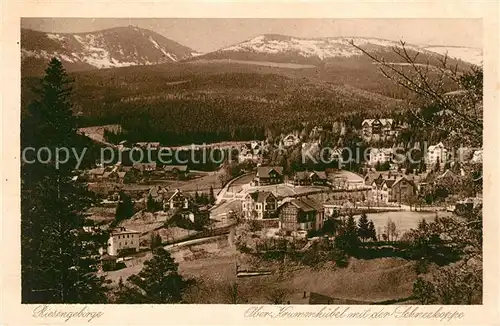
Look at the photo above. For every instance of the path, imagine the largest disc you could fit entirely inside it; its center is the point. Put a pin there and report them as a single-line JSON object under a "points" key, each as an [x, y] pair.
{"points": [[222, 193], [192, 242]]}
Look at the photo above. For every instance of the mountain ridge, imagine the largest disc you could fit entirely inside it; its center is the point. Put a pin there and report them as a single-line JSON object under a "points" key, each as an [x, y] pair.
{"points": [[317, 50], [108, 48]]}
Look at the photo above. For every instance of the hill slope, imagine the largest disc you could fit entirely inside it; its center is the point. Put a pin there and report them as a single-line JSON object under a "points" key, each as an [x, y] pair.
{"points": [[115, 47], [180, 103], [316, 51]]}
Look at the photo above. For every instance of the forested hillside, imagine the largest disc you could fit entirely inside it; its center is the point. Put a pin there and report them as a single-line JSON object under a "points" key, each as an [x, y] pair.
{"points": [[181, 103]]}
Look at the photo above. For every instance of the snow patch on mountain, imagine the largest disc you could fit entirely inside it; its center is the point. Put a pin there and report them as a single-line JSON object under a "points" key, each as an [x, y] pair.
{"points": [[115, 47], [56, 37], [167, 54], [322, 48]]}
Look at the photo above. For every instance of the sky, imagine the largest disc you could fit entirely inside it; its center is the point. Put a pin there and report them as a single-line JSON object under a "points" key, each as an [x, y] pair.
{"points": [[210, 34]]}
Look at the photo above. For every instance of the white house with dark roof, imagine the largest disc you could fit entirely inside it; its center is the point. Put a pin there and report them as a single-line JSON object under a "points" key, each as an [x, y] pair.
{"points": [[436, 154], [122, 240], [379, 127], [380, 155], [259, 205], [175, 200]]}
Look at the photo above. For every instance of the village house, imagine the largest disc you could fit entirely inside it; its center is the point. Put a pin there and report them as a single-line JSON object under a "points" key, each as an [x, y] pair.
{"points": [[96, 174], [305, 178], [448, 176], [372, 175], [477, 157], [338, 207], [122, 241], [381, 189], [108, 262], [393, 189], [259, 205], [377, 127], [158, 194], [148, 145], [175, 200], [268, 175], [114, 174], [436, 154], [176, 171], [144, 168], [312, 148], [197, 215], [251, 152], [380, 155], [290, 140], [403, 190], [300, 214]]}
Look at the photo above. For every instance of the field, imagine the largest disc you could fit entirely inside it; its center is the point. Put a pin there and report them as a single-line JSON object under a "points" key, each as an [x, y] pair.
{"points": [[199, 181], [213, 265], [404, 220], [258, 63], [372, 280]]}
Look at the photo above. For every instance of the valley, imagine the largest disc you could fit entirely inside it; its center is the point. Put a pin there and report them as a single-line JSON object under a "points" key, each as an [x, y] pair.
{"points": [[274, 169]]}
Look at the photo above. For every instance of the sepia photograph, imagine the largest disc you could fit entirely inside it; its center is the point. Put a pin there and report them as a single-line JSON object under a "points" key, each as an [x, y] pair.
{"points": [[251, 161]]}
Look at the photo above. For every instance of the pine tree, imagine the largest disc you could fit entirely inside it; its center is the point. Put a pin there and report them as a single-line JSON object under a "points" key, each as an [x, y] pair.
{"points": [[363, 227], [371, 231], [151, 205], [211, 196], [59, 257], [157, 282], [156, 241], [347, 239], [125, 208]]}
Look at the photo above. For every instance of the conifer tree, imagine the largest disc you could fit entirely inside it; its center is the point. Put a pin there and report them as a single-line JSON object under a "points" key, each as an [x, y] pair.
{"points": [[158, 281], [363, 227], [371, 231], [151, 205], [156, 241], [211, 198], [347, 239], [59, 257], [125, 208]]}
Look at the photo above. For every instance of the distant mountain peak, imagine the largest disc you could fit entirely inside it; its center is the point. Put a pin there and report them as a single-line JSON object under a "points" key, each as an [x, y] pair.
{"points": [[113, 47], [285, 48]]}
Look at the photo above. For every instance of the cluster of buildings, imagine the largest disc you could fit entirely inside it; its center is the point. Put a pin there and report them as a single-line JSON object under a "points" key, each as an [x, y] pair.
{"points": [[176, 200], [123, 241], [270, 175], [375, 129], [435, 156], [119, 173], [253, 151]]}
